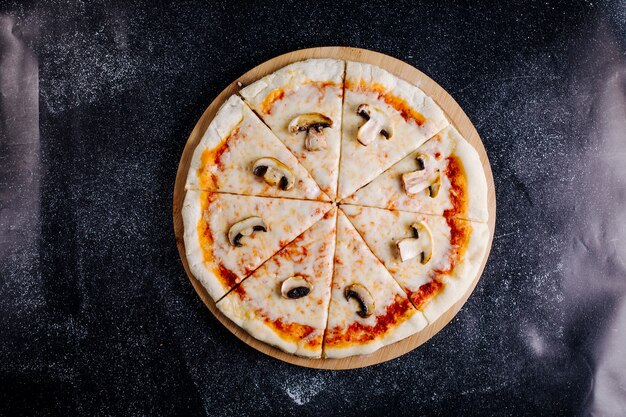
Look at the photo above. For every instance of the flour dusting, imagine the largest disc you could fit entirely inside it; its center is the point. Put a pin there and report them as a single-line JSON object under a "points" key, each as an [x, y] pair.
{"points": [[302, 389]]}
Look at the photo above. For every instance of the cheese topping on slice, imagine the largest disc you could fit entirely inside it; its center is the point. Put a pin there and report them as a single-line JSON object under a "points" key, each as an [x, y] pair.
{"points": [[219, 264], [456, 251], [413, 116], [463, 186], [350, 329], [297, 324], [227, 155], [312, 87]]}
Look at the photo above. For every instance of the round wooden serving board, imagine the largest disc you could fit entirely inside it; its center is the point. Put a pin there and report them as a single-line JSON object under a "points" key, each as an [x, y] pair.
{"points": [[398, 68]]}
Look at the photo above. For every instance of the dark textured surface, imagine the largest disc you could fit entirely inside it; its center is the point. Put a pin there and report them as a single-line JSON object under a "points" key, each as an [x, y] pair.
{"points": [[97, 316]]}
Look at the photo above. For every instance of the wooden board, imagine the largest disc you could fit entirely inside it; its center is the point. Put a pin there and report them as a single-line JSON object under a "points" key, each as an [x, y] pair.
{"points": [[398, 68]]}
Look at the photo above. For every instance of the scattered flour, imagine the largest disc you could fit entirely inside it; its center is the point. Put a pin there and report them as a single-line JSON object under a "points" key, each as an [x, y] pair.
{"points": [[536, 341], [302, 389]]}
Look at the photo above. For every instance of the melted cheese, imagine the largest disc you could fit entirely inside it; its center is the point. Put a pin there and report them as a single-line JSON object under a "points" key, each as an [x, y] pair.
{"points": [[463, 186], [394, 317], [233, 142], [313, 86], [414, 116], [217, 263], [294, 325], [449, 271]]}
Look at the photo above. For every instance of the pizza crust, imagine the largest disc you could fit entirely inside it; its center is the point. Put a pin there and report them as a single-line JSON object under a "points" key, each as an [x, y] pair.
{"points": [[477, 209], [226, 119], [407, 328], [234, 310], [457, 284], [191, 214], [301, 72]]}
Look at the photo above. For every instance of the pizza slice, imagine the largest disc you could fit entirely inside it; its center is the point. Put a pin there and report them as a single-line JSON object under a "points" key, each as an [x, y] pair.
{"points": [[434, 259], [368, 309], [384, 118], [301, 103], [285, 301], [443, 177], [228, 236], [239, 154]]}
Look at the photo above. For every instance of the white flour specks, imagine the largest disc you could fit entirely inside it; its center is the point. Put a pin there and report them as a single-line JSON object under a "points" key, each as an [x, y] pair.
{"points": [[535, 341], [88, 66], [485, 390], [301, 389]]}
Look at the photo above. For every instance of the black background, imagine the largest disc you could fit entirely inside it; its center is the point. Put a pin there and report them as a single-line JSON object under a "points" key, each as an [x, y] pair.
{"points": [[97, 316]]}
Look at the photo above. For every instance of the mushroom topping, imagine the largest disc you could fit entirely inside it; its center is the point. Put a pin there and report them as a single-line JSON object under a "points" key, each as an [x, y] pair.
{"points": [[363, 297], [417, 181], [435, 186], [245, 228], [377, 123], [421, 244], [422, 160], [313, 124], [295, 287], [274, 172], [426, 176]]}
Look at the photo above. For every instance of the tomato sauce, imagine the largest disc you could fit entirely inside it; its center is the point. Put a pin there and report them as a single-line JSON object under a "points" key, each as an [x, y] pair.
{"points": [[361, 333], [279, 94], [294, 331], [211, 157], [426, 292], [400, 104]]}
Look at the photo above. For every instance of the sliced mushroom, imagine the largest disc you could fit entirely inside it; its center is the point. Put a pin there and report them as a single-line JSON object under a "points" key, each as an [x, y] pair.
{"points": [[245, 228], [422, 160], [377, 123], [274, 172], [421, 244], [295, 287], [313, 124], [435, 186], [363, 297], [414, 182], [417, 181], [426, 176]]}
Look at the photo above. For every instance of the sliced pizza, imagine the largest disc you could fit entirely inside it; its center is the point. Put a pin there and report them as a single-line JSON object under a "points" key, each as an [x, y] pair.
{"points": [[368, 309], [434, 259], [384, 118], [228, 236], [443, 177], [239, 154], [285, 301], [301, 103]]}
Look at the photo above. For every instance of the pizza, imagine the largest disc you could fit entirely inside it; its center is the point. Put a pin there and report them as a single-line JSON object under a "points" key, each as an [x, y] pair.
{"points": [[433, 258], [331, 209], [368, 309], [264, 303], [442, 177], [301, 103], [236, 144], [385, 118], [232, 235]]}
